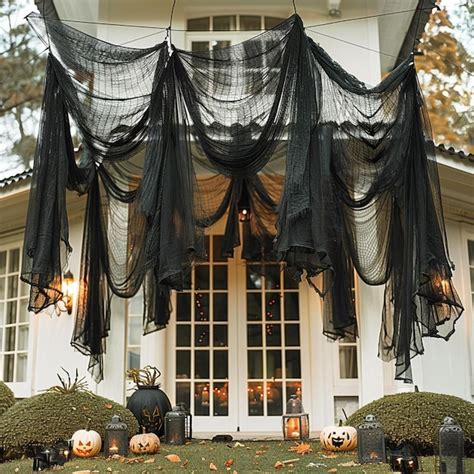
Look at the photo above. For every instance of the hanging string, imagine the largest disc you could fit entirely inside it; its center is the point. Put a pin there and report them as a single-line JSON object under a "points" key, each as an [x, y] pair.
{"points": [[294, 6], [415, 33]]}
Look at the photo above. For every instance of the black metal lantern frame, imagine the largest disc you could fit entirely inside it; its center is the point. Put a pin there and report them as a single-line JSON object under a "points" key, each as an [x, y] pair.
{"points": [[451, 447], [56, 455], [371, 441], [188, 424], [295, 426], [116, 437], [175, 426], [403, 459]]}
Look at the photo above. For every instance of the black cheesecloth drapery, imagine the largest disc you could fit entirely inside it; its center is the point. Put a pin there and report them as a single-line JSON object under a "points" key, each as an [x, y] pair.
{"points": [[336, 176]]}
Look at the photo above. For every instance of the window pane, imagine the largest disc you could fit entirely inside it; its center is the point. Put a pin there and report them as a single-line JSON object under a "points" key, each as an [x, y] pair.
{"points": [[274, 399], [469, 242], [271, 22], [2, 287], [348, 362], [219, 279], [21, 361], [293, 388], [135, 304], [254, 307], [254, 365], [201, 369], [187, 279], [221, 399], [200, 46], [14, 262], [199, 24], [224, 23], [220, 335], [292, 310], [250, 22], [183, 393], [24, 289], [201, 335], [183, 335], [201, 275], [22, 338], [290, 282], [272, 276], [3, 263], [348, 404], [293, 364], [201, 399], [254, 277], [274, 364], [183, 306], [273, 334], [254, 335], [255, 398], [133, 359], [10, 338], [183, 364], [272, 308], [220, 306], [24, 314], [12, 286], [221, 364], [292, 334], [2, 316], [201, 310], [11, 312], [134, 331], [8, 362], [218, 243]]}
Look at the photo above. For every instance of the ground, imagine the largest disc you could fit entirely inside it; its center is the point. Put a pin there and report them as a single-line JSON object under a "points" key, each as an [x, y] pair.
{"points": [[248, 456]]}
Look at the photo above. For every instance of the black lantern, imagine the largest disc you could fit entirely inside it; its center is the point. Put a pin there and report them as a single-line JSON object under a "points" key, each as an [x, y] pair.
{"points": [[116, 437], [370, 441], [451, 447], [295, 422], [175, 423], [188, 424], [48, 458], [404, 459], [244, 204]]}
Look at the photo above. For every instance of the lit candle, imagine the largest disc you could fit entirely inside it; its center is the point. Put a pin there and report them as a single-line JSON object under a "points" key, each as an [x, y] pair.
{"points": [[113, 450], [205, 396], [294, 428]]}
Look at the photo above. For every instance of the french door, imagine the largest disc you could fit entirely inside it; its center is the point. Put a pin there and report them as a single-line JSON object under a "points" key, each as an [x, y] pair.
{"points": [[236, 338]]}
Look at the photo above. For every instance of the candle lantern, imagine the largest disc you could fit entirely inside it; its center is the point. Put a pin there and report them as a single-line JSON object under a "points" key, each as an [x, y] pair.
{"points": [[68, 290], [188, 423], [116, 437], [451, 447], [296, 421], [48, 458], [175, 424], [370, 441], [404, 459]]}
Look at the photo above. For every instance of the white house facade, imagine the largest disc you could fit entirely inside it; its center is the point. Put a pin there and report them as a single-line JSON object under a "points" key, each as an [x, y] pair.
{"points": [[243, 337]]}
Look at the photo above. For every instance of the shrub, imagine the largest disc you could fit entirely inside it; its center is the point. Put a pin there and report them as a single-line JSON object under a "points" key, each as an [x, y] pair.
{"points": [[7, 399], [45, 419], [416, 417]]}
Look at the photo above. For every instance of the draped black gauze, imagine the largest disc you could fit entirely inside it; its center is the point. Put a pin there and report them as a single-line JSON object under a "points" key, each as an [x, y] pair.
{"points": [[336, 176]]}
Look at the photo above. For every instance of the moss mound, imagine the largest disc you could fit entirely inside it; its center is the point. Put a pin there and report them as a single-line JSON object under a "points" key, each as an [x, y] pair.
{"points": [[416, 418], [45, 419], [7, 399]]}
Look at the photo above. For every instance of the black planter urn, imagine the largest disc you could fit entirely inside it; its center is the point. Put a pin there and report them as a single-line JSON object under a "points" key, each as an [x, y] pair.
{"points": [[150, 404]]}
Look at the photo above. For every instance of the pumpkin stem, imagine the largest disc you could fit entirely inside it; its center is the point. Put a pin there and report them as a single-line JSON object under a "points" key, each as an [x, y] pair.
{"points": [[88, 424], [340, 422], [143, 429]]}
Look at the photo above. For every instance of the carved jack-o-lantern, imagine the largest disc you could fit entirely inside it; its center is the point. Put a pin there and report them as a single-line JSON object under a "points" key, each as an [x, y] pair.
{"points": [[145, 443], [86, 443], [338, 438]]}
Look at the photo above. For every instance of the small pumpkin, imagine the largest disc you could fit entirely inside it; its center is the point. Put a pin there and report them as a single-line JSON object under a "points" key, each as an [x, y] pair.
{"points": [[338, 438], [86, 443], [145, 443]]}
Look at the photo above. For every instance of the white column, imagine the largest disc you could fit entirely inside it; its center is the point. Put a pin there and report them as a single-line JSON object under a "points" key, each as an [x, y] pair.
{"points": [[153, 352], [371, 367]]}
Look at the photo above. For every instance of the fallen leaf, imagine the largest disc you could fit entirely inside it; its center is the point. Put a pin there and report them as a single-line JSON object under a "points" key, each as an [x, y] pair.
{"points": [[212, 467], [173, 458], [203, 459], [149, 461], [108, 406], [278, 465], [290, 461], [258, 453], [239, 445], [188, 443], [301, 448], [329, 456], [82, 472], [185, 463], [316, 464], [374, 455], [332, 470], [229, 463], [349, 464]]}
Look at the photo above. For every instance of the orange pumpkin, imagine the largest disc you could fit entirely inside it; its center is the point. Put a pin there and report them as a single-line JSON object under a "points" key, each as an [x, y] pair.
{"points": [[145, 443], [86, 443]]}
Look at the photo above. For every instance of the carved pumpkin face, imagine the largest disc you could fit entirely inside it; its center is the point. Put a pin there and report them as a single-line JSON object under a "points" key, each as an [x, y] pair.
{"points": [[86, 443], [338, 438], [146, 443]]}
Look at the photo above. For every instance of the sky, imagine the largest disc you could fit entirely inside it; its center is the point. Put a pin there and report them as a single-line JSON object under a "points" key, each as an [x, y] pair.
{"points": [[8, 166]]}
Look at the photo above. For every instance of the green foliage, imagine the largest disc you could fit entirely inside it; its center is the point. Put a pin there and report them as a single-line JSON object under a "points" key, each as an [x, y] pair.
{"points": [[416, 418], [45, 419], [7, 399]]}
